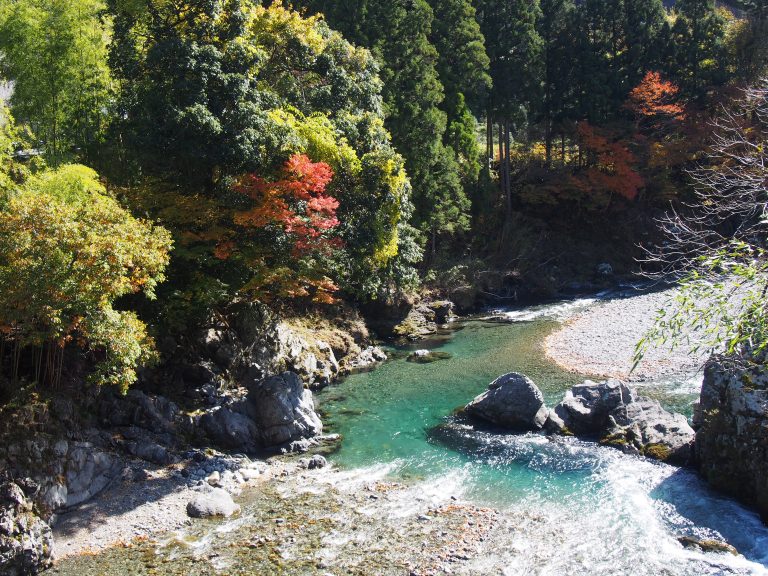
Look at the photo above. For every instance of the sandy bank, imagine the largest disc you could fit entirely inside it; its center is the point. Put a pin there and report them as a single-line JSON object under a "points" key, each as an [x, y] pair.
{"points": [[601, 342]]}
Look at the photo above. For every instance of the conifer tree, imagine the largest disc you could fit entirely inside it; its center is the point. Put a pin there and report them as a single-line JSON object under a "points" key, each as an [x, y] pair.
{"points": [[413, 95], [646, 34], [398, 33], [698, 59], [514, 48], [553, 27], [462, 66]]}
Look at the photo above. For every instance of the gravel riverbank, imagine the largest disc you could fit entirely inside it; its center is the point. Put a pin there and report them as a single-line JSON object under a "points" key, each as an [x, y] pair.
{"points": [[601, 342]]}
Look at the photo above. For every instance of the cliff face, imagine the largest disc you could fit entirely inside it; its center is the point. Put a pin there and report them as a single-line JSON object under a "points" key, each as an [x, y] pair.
{"points": [[732, 435]]}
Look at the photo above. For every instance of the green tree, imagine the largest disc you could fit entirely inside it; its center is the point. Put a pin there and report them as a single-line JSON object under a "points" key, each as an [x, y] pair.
{"points": [[462, 61], [646, 36], [557, 76], [698, 51], [463, 68], [399, 34], [233, 88], [55, 51], [67, 252], [514, 48], [413, 95]]}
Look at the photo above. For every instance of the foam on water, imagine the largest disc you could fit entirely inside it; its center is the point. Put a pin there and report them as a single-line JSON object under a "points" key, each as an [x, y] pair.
{"points": [[561, 310]]}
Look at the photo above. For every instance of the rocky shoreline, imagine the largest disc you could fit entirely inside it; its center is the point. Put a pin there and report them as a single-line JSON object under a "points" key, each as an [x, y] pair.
{"points": [[111, 468], [127, 472]]}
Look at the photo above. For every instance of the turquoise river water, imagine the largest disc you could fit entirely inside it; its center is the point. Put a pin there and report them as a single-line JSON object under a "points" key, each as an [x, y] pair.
{"points": [[577, 508]]}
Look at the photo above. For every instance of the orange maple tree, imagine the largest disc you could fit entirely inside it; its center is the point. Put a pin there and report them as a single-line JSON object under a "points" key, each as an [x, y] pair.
{"points": [[295, 206], [655, 99], [609, 166]]}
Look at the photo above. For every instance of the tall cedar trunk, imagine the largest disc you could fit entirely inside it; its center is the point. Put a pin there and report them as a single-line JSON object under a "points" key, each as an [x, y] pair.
{"points": [[562, 147], [508, 170], [502, 171], [489, 137]]}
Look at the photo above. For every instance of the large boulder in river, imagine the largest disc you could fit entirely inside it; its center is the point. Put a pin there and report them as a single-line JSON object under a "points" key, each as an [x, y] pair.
{"points": [[613, 413], [512, 401], [212, 502], [732, 430], [586, 407], [283, 410], [276, 412], [25, 539], [644, 427]]}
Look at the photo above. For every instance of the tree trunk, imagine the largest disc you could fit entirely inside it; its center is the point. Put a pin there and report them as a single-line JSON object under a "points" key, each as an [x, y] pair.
{"points": [[489, 137], [508, 170]]}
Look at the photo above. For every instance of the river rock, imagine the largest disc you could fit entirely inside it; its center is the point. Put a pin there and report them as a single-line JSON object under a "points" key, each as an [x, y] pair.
{"points": [[366, 360], [613, 413], [732, 435], [442, 310], [643, 426], [25, 539], [230, 430], [586, 407], [283, 410], [512, 401], [707, 545], [212, 502], [313, 463], [427, 356]]}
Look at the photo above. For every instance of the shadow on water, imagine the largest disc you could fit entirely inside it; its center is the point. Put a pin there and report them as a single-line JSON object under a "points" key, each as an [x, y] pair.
{"points": [[699, 511]]}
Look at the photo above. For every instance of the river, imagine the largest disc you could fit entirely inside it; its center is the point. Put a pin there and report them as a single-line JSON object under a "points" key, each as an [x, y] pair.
{"points": [[561, 507]]}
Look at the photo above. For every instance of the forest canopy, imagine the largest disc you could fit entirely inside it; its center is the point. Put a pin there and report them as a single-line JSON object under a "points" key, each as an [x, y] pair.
{"points": [[331, 151]]}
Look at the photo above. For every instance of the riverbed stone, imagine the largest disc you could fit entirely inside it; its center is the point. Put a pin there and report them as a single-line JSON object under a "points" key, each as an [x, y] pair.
{"points": [[366, 360], [230, 430], [644, 427], [512, 401], [212, 502], [283, 410], [586, 407]]}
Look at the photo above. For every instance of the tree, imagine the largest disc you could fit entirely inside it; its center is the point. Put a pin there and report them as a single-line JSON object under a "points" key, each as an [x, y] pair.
{"points": [[717, 249], [608, 167], [646, 35], [55, 51], [557, 79], [67, 252], [463, 69], [232, 88], [514, 48], [413, 95], [699, 59], [654, 102], [298, 211], [462, 61]]}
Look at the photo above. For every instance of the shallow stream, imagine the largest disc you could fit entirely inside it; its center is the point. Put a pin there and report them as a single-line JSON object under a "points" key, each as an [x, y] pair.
{"points": [[564, 506]]}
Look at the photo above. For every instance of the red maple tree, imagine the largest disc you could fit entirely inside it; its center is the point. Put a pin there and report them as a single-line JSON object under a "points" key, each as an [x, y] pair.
{"points": [[609, 165], [294, 204]]}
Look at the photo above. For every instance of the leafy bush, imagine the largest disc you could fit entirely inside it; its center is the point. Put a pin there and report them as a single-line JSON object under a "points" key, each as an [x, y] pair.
{"points": [[67, 252]]}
